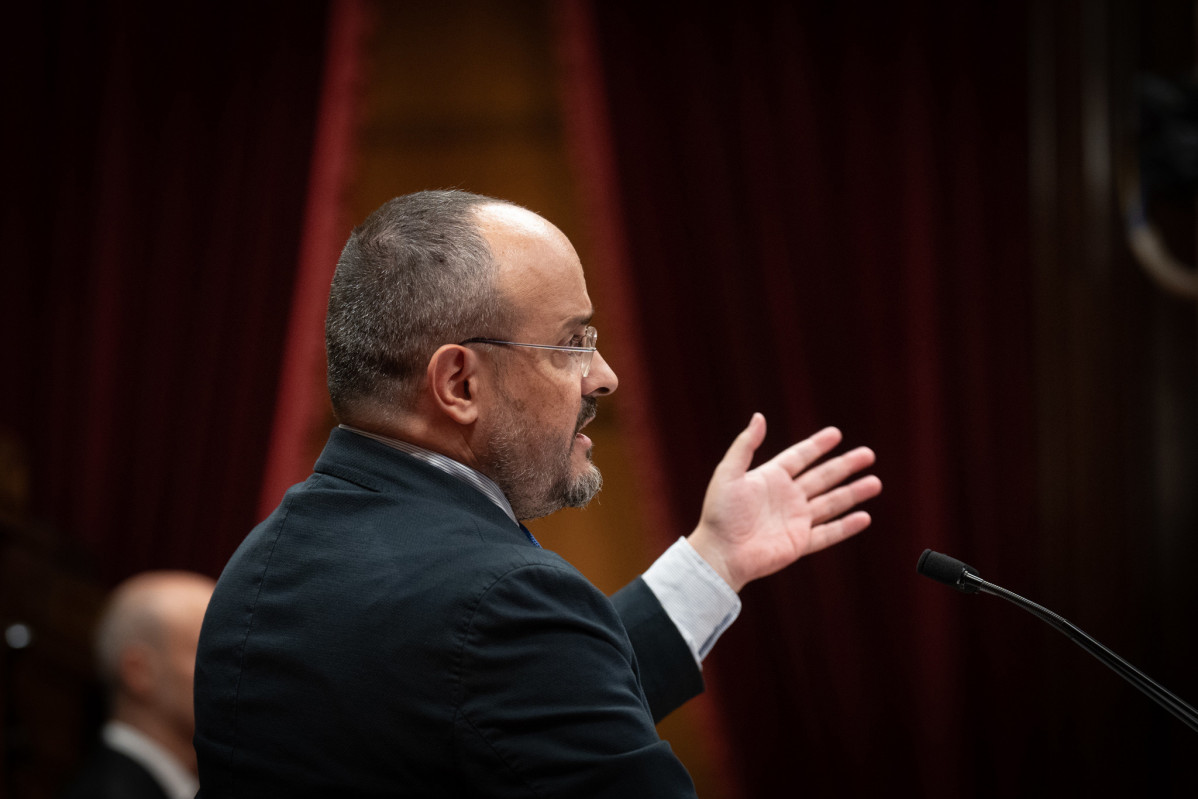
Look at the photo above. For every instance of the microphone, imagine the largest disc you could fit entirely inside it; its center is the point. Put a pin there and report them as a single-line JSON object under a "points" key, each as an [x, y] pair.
{"points": [[949, 571], [965, 578]]}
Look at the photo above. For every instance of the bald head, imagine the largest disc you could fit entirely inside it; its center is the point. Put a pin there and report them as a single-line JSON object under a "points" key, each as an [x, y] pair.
{"points": [[532, 260], [144, 611], [145, 651]]}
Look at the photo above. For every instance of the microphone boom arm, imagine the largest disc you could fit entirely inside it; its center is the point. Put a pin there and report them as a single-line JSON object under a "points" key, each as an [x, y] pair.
{"points": [[1151, 688]]}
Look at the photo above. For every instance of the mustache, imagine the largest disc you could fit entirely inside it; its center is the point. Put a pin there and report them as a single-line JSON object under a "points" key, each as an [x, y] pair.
{"points": [[586, 413]]}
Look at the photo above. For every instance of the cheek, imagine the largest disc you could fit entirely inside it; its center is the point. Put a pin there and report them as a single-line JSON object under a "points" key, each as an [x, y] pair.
{"points": [[546, 403], [561, 409], [182, 666]]}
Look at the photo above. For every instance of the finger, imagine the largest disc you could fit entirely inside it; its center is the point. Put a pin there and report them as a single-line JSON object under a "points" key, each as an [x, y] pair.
{"points": [[798, 457], [834, 503], [740, 453], [825, 535], [827, 475]]}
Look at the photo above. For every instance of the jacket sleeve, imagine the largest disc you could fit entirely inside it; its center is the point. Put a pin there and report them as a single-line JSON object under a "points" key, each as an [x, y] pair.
{"points": [[549, 702], [669, 674]]}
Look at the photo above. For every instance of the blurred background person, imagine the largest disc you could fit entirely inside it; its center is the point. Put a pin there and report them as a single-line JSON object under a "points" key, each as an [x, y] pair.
{"points": [[145, 652]]}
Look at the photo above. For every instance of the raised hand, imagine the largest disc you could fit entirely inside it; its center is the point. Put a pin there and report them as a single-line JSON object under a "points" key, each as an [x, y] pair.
{"points": [[757, 522]]}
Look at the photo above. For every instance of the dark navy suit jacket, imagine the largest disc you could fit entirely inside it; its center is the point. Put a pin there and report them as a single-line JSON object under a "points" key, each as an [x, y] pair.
{"points": [[109, 774], [388, 631]]}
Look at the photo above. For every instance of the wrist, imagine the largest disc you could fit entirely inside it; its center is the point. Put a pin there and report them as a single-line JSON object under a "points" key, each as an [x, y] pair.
{"points": [[709, 547]]}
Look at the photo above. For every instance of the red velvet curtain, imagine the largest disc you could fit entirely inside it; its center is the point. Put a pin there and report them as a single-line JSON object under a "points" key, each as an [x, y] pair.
{"points": [[824, 215], [157, 167]]}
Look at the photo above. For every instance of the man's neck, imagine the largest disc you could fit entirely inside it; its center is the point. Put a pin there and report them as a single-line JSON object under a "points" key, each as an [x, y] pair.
{"points": [[175, 743], [419, 431], [446, 464]]}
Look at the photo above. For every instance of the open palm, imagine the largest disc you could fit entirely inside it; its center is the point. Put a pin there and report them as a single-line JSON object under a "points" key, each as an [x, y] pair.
{"points": [[757, 522]]}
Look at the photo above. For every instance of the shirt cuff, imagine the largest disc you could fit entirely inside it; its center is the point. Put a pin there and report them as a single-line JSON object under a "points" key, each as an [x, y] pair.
{"points": [[696, 599]]}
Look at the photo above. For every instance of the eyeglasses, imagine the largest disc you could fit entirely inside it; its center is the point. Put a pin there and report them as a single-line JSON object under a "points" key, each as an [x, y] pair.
{"points": [[585, 350]]}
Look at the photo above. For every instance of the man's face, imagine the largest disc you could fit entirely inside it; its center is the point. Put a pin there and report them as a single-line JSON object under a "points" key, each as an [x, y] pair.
{"points": [[535, 449], [539, 470]]}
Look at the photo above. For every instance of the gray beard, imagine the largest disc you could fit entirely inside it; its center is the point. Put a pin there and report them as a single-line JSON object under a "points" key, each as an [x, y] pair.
{"points": [[529, 503], [538, 486]]}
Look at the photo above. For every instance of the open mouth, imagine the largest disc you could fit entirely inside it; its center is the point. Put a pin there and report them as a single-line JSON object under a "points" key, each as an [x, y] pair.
{"points": [[587, 415]]}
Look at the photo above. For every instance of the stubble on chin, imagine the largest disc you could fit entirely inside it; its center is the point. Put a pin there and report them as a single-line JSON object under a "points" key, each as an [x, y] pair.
{"points": [[537, 486], [583, 488]]}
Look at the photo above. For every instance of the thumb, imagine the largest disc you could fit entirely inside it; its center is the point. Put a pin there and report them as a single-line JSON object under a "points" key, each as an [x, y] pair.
{"points": [[740, 453]]}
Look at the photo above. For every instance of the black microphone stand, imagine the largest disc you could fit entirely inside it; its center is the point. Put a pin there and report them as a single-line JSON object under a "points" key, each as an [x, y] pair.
{"points": [[971, 582]]}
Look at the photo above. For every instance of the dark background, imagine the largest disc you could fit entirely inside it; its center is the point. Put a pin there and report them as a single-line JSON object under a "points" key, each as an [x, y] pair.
{"points": [[901, 219]]}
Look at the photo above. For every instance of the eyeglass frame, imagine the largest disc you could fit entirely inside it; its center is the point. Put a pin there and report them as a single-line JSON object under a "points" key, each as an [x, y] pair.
{"points": [[589, 333]]}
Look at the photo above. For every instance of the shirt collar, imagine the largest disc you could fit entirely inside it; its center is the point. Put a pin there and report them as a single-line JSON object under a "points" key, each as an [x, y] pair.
{"points": [[446, 464], [165, 768]]}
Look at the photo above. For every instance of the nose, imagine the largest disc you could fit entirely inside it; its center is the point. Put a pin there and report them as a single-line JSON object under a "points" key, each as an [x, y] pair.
{"points": [[601, 379]]}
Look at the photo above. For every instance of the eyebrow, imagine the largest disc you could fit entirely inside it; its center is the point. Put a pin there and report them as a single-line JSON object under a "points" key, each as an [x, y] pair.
{"points": [[581, 320]]}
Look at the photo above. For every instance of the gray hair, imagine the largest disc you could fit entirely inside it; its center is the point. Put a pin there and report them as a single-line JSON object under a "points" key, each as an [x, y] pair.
{"points": [[416, 275]]}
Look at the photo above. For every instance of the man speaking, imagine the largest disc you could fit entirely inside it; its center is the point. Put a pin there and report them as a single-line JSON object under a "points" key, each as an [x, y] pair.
{"points": [[392, 629]]}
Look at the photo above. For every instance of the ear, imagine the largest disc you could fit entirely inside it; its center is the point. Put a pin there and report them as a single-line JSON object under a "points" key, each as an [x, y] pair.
{"points": [[136, 666], [454, 374]]}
